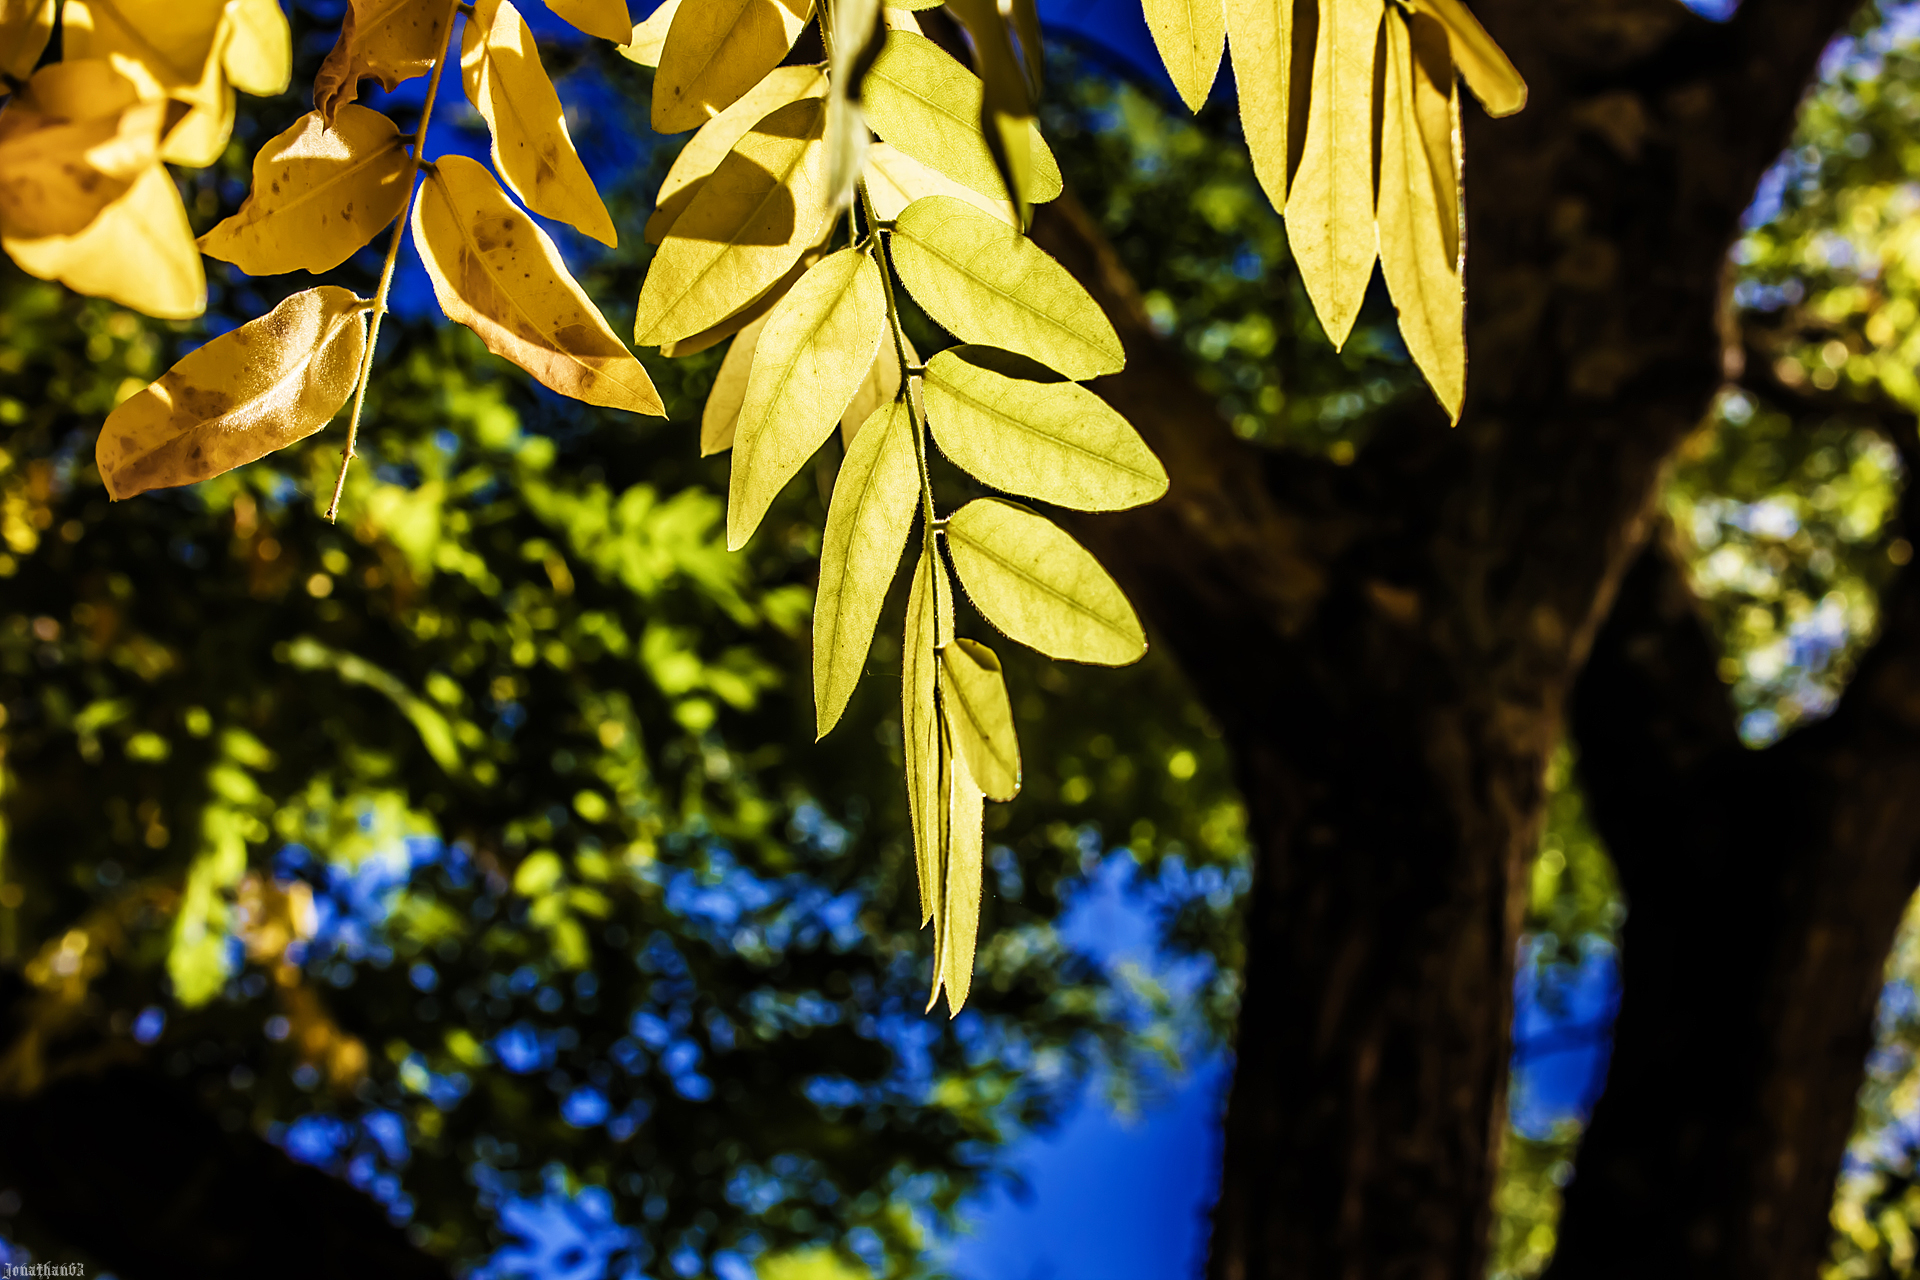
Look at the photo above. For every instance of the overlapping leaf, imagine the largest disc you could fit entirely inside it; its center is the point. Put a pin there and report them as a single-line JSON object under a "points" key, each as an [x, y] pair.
{"points": [[880, 386], [1483, 64], [1190, 34], [138, 251], [25, 28], [650, 37], [973, 694], [1039, 586], [261, 387], [718, 136], [716, 50], [721, 417], [388, 40], [496, 272], [72, 143], [607, 19], [1330, 208], [962, 838], [895, 180], [929, 625]]}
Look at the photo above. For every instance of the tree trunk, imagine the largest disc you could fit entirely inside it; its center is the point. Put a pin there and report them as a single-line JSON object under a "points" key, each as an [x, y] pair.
{"points": [[1390, 646]]}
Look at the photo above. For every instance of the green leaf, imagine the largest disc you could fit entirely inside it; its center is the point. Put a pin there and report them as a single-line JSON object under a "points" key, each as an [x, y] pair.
{"points": [[973, 694], [1006, 110], [812, 355], [1031, 580], [1330, 209], [985, 282], [717, 138], [1040, 437], [926, 104], [874, 499], [929, 625]]}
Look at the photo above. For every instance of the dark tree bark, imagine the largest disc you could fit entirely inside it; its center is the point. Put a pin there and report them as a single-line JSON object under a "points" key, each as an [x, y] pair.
{"points": [[1390, 648]]}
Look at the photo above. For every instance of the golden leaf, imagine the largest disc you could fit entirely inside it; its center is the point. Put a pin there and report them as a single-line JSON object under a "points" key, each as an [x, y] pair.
{"points": [[756, 308], [811, 357], [259, 52], [961, 839], [926, 104], [721, 416], [985, 282], [607, 19], [389, 40], [1418, 256], [874, 498], [531, 148], [1040, 587], [973, 693], [718, 136], [1330, 209], [1483, 64], [1026, 431], [716, 50], [929, 625], [764, 206], [25, 28], [138, 252], [318, 195], [1190, 35], [496, 272], [1261, 34], [895, 180], [71, 143], [170, 40], [270, 382], [650, 37], [880, 386]]}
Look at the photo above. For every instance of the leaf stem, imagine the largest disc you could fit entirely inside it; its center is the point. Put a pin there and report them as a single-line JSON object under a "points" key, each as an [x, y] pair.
{"points": [[386, 270]]}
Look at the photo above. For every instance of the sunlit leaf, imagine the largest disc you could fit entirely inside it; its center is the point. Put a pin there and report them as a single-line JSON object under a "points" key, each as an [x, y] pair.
{"points": [[962, 840], [858, 33], [71, 143], [895, 180], [1190, 34], [718, 136], [880, 386], [973, 693], [496, 272], [318, 195], [1330, 209], [756, 308], [987, 283], [261, 387], [874, 498], [929, 624], [1261, 35], [1006, 109], [721, 416], [138, 252], [531, 147], [716, 50], [607, 19], [650, 37], [171, 41], [811, 357], [389, 40], [1483, 64], [1039, 586], [25, 28], [1025, 432], [1417, 255], [258, 57], [764, 206]]}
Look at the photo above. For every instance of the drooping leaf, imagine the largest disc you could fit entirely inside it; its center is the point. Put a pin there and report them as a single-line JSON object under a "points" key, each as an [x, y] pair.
{"points": [[607, 19], [880, 386], [929, 625], [531, 147], [1330, 209], [1006, 109], [858, 33], [895, 180], [318, 195], [25, 28], [926, 104], [716, 50], [1025, 16], [959, 930], [1417, 255], [1261, 36], [987, 283], [258, 57], [171, 41], [270, 382], [1048, 439], [650, 37], [718, 136], [1039, 586], [764, 206], [138, 252], [721, 416], [1483, 64], [1190, 34], [874, 499], [71, 143], [496, 272], [200, 136], [389, 40], [973, 693], [812, 354]]}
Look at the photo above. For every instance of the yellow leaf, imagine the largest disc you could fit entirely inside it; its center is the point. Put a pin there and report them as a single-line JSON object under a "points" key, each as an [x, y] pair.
{"points": [[531, 148], [1025, 17], [926, 104], [960, 898], [25, 28], [650, 37], [1330, 209], [716, 50], [1417, 255], [389, 40], [718, 136], [201, 136], [764, 206], [1039, 586], [172, 40], [71, 143], [1006, 112], [985, 282], [138, 252], [318, 195], [929, 625], [755, 309], [901, 19], [259, 52], [721, 416], [1190, 35], [973, 693], [243, 395], [1483, 64], [810, 359], [1261, 35], [607, 19], [858, 33], [1024, 430], [496, 272], [874, 498], [895, 180], [880, 386]]}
